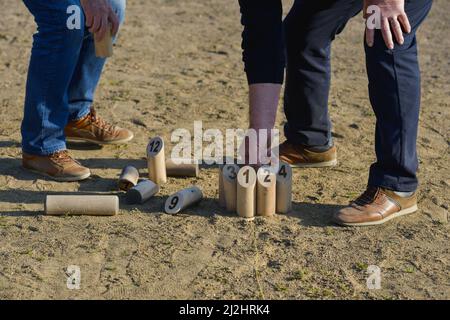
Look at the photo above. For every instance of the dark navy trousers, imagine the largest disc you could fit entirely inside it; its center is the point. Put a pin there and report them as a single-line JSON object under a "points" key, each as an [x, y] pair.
{"points": [[302, 44]]}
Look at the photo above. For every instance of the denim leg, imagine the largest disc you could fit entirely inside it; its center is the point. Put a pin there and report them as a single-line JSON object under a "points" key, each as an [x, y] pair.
{"points": [[88, 71], [262, 40], [309, 29], [54, 55], [394, 89]]}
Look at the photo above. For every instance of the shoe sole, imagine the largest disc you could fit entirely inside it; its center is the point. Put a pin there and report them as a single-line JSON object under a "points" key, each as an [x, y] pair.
{"points": [[74, 139], [60, 179], [374, 223], [331, 163]]}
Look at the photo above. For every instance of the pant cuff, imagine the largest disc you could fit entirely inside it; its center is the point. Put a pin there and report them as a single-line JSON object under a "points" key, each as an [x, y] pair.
{"points": [[393, 184], [46, 152], [309, 139], [84, 111]]}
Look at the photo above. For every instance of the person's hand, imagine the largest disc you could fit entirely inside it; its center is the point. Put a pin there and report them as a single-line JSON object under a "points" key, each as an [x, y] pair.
{"points": [[394, 21], [99, 17]]}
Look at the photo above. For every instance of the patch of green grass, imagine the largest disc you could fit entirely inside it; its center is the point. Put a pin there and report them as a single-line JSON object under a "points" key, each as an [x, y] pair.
{"points": [[361, 266], [280, 288], [352, 195], [26, 252], [300, 274], [344, 287], [110, 268], [409, 269], [319, 293]]}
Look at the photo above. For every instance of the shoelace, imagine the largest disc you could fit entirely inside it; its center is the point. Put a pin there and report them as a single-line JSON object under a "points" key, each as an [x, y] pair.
{"points": [[367, 197], [61, 156], [100, 122]]}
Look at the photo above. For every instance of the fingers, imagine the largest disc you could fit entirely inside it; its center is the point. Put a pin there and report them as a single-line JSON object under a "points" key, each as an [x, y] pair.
{"points": [[370, 35], [403, 18], [397, 30], [97, 22], [89, 19], [104, 26], [386, 32]]}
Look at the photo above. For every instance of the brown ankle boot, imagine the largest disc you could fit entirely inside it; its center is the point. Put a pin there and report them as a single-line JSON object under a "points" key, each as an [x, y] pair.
{"points": [[58, 166], [302, 157], [94, 129], [376, 206]]}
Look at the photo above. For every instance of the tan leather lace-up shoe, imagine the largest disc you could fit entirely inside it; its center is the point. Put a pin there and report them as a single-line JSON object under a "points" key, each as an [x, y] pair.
{"points": [[59, 166], [94, 129], [375, 206], [299, 156]]}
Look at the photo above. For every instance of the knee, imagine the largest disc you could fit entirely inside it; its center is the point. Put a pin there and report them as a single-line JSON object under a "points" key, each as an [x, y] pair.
{"points": [[119, 7]]}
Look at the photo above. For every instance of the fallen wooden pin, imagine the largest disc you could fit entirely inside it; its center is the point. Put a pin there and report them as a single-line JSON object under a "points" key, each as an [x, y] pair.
{"points": [[142, 192], [104, 47], [229, 177], [266, 192], [156, 161], [92, 205], [284, 188], [128, 178], [182, 200], [182, 168], [246, 193]]}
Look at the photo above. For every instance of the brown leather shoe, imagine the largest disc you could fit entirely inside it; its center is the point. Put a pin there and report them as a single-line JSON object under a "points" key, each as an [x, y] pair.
{"points": [[375, 206], [94, 129], [59, 166], [299, 156]]}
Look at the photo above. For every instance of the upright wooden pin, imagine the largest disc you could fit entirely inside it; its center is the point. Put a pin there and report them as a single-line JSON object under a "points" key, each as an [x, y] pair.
{"points": [[229, 176], [156, 161], [246, 192], [182, 168], [284, 188], [142, 192], [266, 192], [222, 201], [104, 47], [92, 205], [182, 200], [128, 178]]}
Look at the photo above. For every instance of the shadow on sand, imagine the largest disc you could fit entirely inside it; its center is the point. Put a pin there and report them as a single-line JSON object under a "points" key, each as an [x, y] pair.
{"points": [[309, 214]]}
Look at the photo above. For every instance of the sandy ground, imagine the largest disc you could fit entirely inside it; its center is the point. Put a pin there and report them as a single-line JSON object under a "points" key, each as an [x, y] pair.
{"points": [[179, 61]]}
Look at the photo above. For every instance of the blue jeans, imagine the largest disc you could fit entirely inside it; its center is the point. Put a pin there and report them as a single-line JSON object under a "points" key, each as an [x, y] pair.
{"points": [[62, 76], [306, 37]]}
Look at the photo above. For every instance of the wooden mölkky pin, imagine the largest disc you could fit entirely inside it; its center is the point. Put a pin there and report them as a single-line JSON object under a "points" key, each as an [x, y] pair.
{"points": [[246, 192], [128, 178], [104, 47], [222, 202], [156, 161], [182, 168], [229, 177], [284, 188], [92, 205], [266, 192], [142, 192], [183, 199]]}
